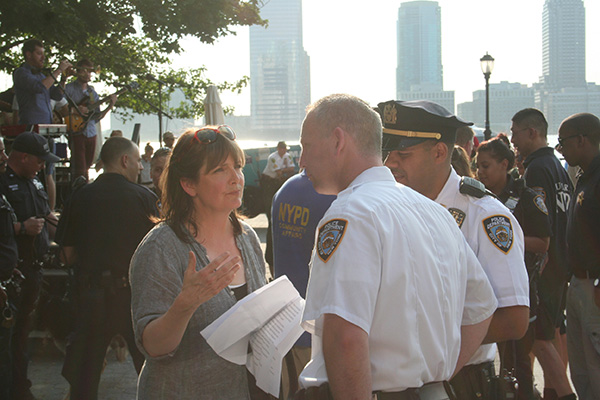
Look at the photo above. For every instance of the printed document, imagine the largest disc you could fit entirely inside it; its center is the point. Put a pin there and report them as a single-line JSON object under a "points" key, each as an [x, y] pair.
{"points": [[259, 330]]}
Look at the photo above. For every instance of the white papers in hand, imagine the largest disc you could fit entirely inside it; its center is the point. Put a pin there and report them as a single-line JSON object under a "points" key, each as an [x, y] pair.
{"points": [[269, 319]]}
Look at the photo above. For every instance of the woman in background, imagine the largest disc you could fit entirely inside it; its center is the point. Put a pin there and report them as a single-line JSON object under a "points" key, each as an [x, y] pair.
{"points": [[193, 267]]}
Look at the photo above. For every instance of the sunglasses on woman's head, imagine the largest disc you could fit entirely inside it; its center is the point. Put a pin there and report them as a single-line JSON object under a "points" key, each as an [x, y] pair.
{"points": [[208, 135]]}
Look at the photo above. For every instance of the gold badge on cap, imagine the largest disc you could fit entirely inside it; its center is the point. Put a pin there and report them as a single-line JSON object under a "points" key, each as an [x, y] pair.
{"points": [[389, 114]]}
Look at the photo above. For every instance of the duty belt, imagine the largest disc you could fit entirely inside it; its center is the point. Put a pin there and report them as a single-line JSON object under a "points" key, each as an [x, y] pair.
{"points": [[429, 391]]}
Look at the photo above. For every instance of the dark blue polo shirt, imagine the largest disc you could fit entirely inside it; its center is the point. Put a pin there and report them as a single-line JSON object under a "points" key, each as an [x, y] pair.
{"points": [[547, 177], [107, 219], [583, 231]]}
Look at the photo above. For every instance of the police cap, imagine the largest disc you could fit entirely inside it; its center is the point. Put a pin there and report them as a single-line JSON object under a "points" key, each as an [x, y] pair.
{"points": [[35, 144], [408, 123]]}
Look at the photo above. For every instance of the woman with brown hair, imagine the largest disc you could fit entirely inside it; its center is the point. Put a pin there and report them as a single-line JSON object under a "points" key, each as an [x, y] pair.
{"points": [[193, 267]]}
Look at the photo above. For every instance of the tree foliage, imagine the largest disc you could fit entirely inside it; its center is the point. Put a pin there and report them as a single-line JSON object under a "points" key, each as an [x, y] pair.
{"points": [[129, 39]]}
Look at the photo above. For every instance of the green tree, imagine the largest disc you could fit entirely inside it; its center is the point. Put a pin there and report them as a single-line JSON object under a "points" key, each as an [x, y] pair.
{"points": [[128, 39]]}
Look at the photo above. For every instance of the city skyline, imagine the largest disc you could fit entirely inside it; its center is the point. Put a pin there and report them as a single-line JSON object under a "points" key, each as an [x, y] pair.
{"points": [[353, 48], [419, 47], [563, 44], [279, 70]]}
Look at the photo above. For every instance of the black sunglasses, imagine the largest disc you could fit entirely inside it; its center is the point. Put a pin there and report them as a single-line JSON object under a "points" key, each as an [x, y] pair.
{"points": [[208, 135], [562, 140]]}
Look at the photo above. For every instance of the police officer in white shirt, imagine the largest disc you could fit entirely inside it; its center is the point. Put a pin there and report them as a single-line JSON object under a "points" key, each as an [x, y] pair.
{"points": [[280, 164], [394, 286], [419, 136]]}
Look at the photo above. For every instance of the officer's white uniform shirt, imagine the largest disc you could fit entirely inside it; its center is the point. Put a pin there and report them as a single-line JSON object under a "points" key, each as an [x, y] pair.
{"points": [[393, 263], [275, 162], [497, 240]]}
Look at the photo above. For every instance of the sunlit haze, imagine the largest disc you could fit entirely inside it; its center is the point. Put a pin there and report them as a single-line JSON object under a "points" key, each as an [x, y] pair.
{"points": [[352, 47]]}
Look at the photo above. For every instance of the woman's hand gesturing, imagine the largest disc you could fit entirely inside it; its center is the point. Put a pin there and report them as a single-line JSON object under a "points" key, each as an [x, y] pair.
{"points": [[201, 286]]}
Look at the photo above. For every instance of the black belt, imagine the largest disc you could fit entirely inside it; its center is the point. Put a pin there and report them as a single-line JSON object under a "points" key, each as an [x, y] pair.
{"points": [[429, 391], [585, 274]]}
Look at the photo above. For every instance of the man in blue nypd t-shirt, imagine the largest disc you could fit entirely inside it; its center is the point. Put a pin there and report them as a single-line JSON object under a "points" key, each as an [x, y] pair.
{"points": [[296, 211]]}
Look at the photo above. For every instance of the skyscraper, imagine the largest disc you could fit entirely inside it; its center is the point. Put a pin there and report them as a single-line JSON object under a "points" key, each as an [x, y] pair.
{"points": [[419, 47], [563, 89], [419, 70], [563, 44], [279, 71]]}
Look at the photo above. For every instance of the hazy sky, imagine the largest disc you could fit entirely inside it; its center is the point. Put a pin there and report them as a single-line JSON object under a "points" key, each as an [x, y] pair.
{"points": [[352, 47]]}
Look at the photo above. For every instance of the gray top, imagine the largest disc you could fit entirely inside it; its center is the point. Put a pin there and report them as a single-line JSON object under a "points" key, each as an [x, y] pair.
{"points": [[193, 370]]}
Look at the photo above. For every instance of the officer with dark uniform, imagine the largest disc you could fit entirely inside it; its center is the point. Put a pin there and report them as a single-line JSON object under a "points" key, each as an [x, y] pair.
{"points": [[494, 161], [26, 194], [579, 141], [106, 221], [420, 136], [8, 263], [547, 177]]}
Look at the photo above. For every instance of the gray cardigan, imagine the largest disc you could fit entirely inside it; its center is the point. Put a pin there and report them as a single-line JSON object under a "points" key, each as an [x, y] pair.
{"points": [[193, 370]]}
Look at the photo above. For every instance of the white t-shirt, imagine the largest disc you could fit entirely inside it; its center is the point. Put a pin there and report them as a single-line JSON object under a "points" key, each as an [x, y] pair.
{"points": [[275, 162], [497, 240], [393, 262]]}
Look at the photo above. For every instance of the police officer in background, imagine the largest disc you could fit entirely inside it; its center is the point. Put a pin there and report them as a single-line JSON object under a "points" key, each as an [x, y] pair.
{"points": [[8, 263], [579, 138], [419, 136], [396, 299], [106, 221], [34, 227], [548, 178]]}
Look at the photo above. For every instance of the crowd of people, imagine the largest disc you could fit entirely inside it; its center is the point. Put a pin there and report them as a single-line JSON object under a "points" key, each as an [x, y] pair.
{"points": [[421, 255]]}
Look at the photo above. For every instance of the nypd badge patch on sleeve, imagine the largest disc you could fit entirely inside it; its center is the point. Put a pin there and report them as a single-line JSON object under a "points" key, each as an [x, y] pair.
{"points": [[330, 236], [540, 204], [499, 230]]}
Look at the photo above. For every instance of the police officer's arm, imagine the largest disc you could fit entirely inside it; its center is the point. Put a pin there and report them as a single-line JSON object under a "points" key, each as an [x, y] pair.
{"points": [[68, 255], [31, 226], [51, 222], [508, 323], [471, 337], [537, 244], [346, 353]]}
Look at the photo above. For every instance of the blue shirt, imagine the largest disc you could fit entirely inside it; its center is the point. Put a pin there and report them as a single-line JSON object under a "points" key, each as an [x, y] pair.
{"points": [[78, 94], [297, 210], [32, 96]]}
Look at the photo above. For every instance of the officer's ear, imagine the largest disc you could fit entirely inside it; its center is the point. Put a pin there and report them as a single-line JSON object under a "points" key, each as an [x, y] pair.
{"points": [[440, 152], [123, 160]]}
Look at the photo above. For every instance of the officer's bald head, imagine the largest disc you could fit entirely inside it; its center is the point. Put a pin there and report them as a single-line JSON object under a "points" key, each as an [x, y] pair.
{"points": [[114, 148]]}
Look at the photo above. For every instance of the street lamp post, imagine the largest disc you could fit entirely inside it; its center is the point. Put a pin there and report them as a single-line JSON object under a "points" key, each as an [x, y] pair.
{"points": [[487, 65]]}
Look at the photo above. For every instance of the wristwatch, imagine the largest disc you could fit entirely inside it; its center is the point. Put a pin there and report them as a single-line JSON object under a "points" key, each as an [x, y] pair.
{"points": [[22, 230]]}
